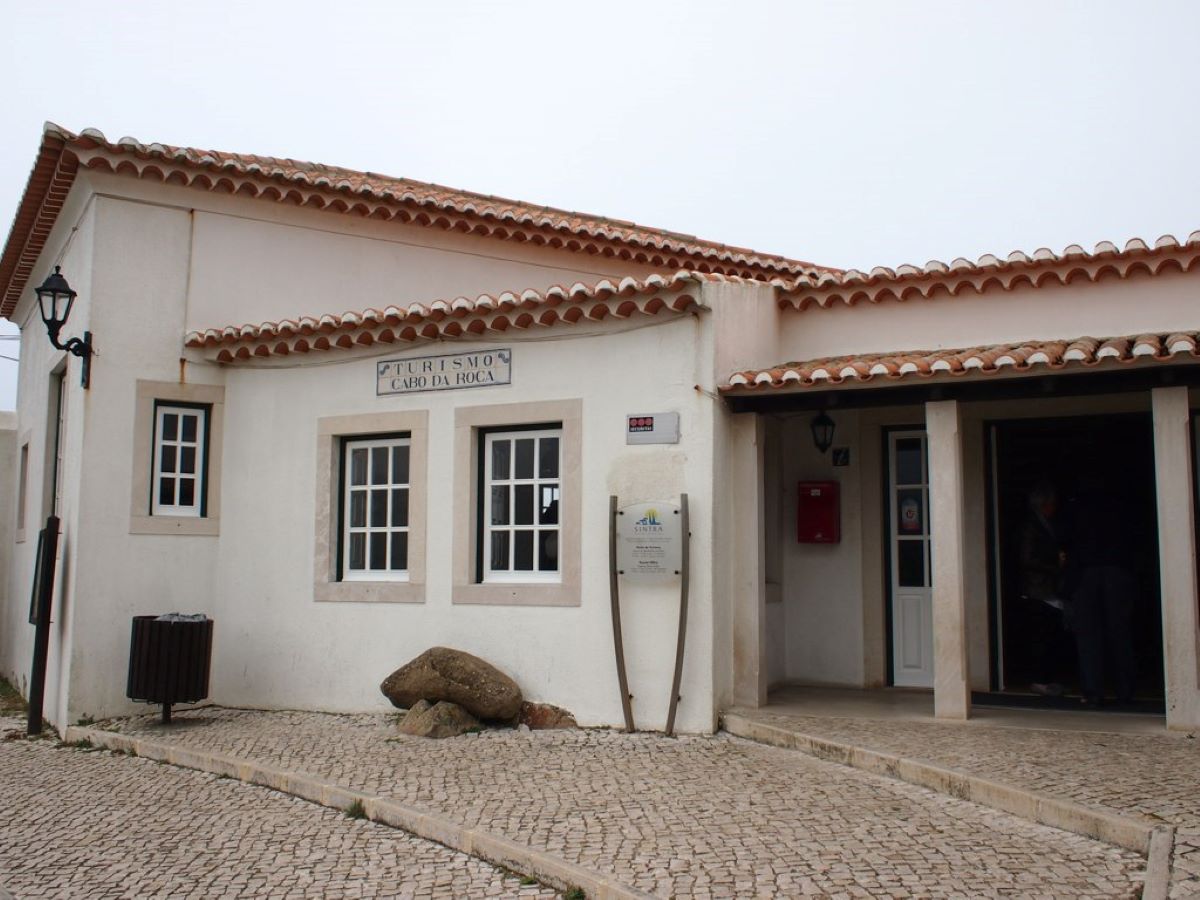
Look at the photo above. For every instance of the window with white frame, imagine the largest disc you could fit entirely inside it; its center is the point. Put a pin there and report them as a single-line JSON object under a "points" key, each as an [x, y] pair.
{"points": [[180, 444], [520, 525], [375, 493]]}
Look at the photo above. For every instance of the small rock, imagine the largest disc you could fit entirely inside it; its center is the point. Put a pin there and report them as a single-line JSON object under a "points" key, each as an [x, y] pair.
{"points": [[439, 720], [415, 710], [543, 715], [444, 674]]}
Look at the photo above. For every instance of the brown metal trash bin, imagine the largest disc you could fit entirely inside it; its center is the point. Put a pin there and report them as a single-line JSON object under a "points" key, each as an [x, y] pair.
{"points": [[169, 661]]}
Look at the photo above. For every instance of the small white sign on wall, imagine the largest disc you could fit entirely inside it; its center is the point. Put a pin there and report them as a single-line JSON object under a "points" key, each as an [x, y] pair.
{"points": [[650, 540], [446, 372], [652, 428]]}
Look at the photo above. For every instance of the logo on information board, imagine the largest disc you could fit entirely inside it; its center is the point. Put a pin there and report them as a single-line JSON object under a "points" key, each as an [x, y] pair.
{"points": [[648, 522], [649, 540]]}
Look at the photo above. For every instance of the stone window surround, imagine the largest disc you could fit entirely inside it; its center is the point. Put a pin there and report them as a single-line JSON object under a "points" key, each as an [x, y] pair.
{"points": [[330, 431], [468, 420], [24, 454], [148, 392]]}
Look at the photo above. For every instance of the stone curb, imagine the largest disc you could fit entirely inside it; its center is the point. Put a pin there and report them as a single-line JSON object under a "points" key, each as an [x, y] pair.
{"points": [[1132, 834], [492, 848], [1158, 864]]}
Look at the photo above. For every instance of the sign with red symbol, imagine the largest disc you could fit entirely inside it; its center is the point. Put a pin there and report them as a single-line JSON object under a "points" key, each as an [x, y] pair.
{"points": [[652, 428]]}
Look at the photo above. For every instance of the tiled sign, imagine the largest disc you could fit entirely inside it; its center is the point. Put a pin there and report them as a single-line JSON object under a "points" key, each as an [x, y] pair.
{"points": [[447, 372]]}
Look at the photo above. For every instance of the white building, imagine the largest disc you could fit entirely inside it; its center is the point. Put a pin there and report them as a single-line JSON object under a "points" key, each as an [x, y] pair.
{"points": [[257, 443]]}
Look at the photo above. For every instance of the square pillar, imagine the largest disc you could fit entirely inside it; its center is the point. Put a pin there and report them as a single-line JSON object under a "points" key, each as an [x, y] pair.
{"points": [[748, 552], [951, 686], [1174, 493]]}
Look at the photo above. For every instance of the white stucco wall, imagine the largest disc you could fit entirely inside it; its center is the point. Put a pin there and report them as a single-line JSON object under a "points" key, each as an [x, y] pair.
{"points": [[276, 647], [137, 301], [255, 260], [70, 245], [152, 265], [1109, 308], [9, 477], [822, 589]]}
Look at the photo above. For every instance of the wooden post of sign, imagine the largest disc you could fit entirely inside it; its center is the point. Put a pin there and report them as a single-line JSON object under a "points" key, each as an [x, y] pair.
{"points": [[685, 538], [615, 598]]}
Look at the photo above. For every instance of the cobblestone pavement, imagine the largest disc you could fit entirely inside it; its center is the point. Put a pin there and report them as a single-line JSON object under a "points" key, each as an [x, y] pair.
{"points": [[89, 824], [686, 817], [1155, 776], [1185, 866]]}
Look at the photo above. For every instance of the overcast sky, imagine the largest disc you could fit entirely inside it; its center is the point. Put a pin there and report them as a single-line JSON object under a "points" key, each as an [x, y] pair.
{"points": [[852, 134]]}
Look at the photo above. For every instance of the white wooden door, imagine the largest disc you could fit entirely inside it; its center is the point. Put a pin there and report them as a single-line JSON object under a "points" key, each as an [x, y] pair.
{"points": [[908, 532]]}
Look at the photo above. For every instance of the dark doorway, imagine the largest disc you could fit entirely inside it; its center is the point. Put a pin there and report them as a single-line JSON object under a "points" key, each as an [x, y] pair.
{"points": [[1098, 469]]}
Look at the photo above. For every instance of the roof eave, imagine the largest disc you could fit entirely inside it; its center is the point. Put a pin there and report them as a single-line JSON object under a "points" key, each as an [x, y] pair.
{"points": [[45, 193]]}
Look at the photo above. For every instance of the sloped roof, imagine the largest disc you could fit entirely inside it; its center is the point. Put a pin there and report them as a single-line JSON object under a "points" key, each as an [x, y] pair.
{"points": [[995, 359], [1018, 269], [318, 186], [461, 317]]}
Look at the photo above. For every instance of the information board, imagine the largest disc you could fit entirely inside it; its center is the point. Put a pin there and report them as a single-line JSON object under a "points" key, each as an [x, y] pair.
{"points": [[650, 540]]}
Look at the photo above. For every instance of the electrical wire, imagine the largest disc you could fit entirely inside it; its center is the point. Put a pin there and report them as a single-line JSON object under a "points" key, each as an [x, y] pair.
{"points": [[501, 340]]}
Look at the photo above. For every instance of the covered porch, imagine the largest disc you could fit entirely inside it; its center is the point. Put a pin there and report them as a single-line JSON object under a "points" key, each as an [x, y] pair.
{"points": [[916, 603]]}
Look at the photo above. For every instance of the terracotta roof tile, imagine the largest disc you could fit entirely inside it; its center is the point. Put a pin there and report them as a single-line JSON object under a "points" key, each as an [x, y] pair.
{"points": [[1018, 269], [349, 191], [461, 317], [886, 368]]}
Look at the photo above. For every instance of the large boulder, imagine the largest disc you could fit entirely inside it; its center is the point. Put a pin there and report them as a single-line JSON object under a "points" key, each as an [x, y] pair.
{"points": [[444, 674], [537, 716], [438, 720]]}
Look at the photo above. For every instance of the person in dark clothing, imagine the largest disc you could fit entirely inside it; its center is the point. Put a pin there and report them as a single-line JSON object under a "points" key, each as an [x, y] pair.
{"points": [[1104, 587], [1041, 589]]}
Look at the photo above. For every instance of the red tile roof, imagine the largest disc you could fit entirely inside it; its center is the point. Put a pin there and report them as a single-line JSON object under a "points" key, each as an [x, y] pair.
{"points": [[998, 359], [447, 319], [344, 190], [1016, 270]]}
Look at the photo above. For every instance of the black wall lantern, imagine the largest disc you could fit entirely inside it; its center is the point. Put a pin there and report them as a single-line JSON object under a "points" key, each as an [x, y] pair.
{"points": [[822, 431], [55, 298]]}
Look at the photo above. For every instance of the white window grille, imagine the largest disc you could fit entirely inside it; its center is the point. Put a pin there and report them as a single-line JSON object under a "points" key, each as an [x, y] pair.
{"points": [[180, 438], [375, 509], [521, 520]]}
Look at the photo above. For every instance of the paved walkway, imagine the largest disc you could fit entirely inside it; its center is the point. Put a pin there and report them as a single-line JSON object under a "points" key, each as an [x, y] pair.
{"points": [[687, 817], [90, 824], [1116, 768]]}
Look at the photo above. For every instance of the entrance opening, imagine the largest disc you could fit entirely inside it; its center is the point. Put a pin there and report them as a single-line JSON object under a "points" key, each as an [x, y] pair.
{"points": [[1082, 487]]}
